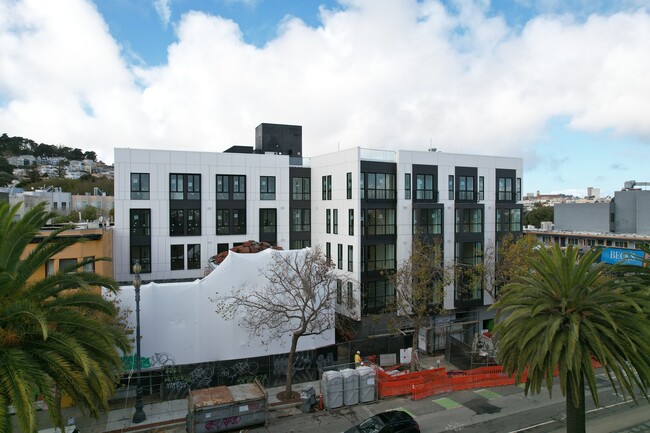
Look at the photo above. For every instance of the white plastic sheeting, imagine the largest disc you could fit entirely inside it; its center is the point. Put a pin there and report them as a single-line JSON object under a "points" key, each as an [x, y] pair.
{"points": [[178, 322]]}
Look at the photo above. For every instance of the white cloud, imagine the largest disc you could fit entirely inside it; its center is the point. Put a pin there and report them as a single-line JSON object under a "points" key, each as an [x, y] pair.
{"points": [[164, 11], [378, 74]]}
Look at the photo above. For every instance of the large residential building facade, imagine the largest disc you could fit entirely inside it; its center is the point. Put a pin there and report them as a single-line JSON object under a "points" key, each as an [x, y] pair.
{"points": [[176, 209]]}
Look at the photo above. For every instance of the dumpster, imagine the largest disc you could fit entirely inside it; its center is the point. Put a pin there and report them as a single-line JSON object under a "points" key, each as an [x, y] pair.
{"points": [[225, 408]]}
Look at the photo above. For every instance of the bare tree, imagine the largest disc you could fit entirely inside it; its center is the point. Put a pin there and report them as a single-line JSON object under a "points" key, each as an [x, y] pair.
{"points": [[419, 283], [297, 300], [505, 262]]}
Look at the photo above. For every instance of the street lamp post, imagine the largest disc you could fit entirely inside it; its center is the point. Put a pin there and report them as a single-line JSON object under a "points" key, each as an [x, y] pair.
{"points": [[139, 414]]}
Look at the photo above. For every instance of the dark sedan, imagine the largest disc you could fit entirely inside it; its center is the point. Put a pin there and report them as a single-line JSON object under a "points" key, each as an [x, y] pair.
{"points": [[392, 421]]}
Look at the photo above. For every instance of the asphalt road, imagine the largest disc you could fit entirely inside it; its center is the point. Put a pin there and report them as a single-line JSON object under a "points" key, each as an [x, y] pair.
{"points": [[499, 410]]}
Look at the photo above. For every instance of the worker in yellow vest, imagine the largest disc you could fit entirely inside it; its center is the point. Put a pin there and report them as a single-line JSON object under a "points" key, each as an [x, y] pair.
{"points": [[357, 359]]}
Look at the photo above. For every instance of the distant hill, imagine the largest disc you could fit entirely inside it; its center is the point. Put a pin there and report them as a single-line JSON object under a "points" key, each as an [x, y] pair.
{"points": [[15, 146]]}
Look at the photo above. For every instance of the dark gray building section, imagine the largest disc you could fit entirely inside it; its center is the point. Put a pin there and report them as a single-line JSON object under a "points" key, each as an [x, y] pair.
{"points": [[632, 213], [279, 139], [589, 217]]}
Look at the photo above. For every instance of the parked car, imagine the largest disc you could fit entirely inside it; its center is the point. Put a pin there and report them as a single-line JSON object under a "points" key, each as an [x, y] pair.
{"points": [[391, 421]]}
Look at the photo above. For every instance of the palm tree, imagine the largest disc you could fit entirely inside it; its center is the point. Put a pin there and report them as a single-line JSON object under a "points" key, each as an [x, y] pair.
{"points": [[566, 313], [56, 334]]}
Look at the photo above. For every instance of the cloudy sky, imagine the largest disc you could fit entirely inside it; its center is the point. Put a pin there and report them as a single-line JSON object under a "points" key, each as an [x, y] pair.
{"points": [[563, 84]]}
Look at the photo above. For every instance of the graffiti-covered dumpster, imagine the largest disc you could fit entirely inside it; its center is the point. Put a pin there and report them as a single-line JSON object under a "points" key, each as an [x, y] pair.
{"points": [[225, 408]]}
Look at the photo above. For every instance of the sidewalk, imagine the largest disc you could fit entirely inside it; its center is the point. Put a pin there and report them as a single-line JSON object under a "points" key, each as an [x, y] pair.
{"points": [[169, 416]]}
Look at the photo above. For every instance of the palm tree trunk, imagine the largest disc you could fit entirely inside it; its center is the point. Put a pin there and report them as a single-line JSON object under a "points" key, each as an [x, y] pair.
{"points": [[575, 415], [290, 359]]}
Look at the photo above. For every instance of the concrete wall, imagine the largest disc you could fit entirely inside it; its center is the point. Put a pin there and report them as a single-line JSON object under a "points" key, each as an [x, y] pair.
{"points": [[632, 212], [590, 217]]}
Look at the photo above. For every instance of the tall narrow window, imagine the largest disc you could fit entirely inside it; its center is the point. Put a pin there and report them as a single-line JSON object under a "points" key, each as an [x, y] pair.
{"points": [[142, 255], [466, 188], [300, 220], [139, 186], [351, 222], [348, 178], [140, 222], [267, 187], [223, 221], [504, 192], [339, 292], [177, 257], [329, 187], [176, 186], [481, 188], [238, 221], [268, 220], [451, 187], [350, 295], [177, 222], [407, 186], [194, 256], [193, 186], [424, 187], [518, 189], [328, 221], [324, 184], [335, 226], [350, 258], [339, 257], [328, 251]]}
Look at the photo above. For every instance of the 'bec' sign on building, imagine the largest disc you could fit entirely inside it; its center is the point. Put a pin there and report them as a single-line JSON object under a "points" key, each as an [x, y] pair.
{"points": [[617, 255]]}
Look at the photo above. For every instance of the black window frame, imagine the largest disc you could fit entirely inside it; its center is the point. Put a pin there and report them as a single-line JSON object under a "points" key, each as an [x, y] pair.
{"points": [[451, 186], [339, 258], [348, 181], [145, 262], [350, 258], [377, 222], [193, 256], [328, 221], [335, 221], [425, 224], [298, 187], [300, 220], [351, 222], [267, 187], [176, 261], [268, 220], [425, 187], [407, 186], [231, 187], [140, 228], [466, 188], [141, 192]]}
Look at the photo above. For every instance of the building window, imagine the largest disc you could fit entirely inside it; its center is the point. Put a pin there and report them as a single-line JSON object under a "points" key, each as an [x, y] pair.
{"points": [[222, 247], [176, 222], [176, 186], [55, 205], [348, 178], [89, 264], [299, 244], [267, 187], [64, 206], [380, 257], [223, 221], [590, 242], [351, 222], [339, 292], [466, 188], [328, 220], [380, 222], [194, 256], [328, 251], [481, 188], [621, 244], [350, 295], [141, 254], [238, 221], [193, 186], [468, 255], [407, 186], [327, 187], [49, 268], [335, 222], [140, 222], [268, 221], [504, 189], [139, 186], [518, 189], [424, 187], [378, 295], [65, 265], [184, 222], [231, 187], [350, 258], [451, 187], [300, 188], [177, 257], [380, 186], [362, 186], [509, 220], [469, 220], [193, 222], [300, 220], [339, 261], [427, 221]]}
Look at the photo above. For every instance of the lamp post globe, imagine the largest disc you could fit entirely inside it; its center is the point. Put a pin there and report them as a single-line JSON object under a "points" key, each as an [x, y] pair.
{"points": [[139, 414]]}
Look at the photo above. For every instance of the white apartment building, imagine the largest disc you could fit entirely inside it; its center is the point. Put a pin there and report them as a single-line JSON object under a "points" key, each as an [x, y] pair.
{"points": [[175, 209]]}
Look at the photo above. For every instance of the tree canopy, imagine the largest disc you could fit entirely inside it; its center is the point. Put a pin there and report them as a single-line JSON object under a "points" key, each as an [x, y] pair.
{"points": [[537, 215], [568, 312], [57, 333]]}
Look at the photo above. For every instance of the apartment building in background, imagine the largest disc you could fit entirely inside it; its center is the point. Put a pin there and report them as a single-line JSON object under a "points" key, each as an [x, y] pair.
{"points": [[176, 209]]}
